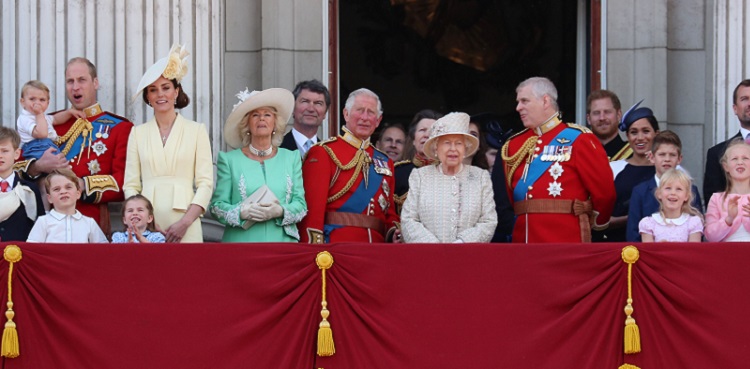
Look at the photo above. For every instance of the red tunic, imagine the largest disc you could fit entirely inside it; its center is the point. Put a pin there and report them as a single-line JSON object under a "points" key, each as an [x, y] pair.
{"points": [[319, 173], [102, 172], [586, 175]]}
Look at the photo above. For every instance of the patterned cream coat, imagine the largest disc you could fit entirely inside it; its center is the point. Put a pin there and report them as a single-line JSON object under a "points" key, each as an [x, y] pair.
{"points": [[443, 208]]}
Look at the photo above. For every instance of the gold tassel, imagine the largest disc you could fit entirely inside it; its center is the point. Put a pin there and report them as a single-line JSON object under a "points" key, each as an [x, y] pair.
{"points": [[630, 255], [10, 335], [628, 366], [325, 334]]}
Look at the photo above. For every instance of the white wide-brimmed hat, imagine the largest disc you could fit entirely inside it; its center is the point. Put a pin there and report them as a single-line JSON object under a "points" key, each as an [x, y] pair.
{"points": [[173, 66], [278, 98], [451, 124]]}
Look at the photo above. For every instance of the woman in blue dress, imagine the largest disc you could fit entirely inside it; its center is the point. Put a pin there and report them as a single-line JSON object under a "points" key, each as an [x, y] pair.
{"points": [[640, 127]]}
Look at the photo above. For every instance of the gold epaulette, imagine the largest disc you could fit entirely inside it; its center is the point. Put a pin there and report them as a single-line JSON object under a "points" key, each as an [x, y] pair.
{"points": [[401, 162], [579, 127]]}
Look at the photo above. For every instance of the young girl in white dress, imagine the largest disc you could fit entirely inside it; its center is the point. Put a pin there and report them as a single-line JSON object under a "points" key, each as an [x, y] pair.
{"points": [[677, 220]]}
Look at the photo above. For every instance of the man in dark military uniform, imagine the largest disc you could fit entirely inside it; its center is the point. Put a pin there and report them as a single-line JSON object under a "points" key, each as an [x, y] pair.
{"points": [[348, 183], [558, 174], [95, 147]]}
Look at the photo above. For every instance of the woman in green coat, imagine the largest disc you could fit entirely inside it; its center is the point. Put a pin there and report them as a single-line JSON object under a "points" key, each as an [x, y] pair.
{"points": [[259, 195]]}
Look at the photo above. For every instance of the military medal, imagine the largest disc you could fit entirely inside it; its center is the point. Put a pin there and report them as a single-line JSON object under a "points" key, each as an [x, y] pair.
{"points": [[556, 170], [386, 187], [381, 167], [99, 148], [99, 133], [94, 167], [554, 188], [383, 203], [105, 135], [566, 153]]}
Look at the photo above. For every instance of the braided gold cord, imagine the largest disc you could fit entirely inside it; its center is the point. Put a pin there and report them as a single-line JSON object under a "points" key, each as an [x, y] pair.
{"points": [[360, 161], [80, 126], [526, 150]]}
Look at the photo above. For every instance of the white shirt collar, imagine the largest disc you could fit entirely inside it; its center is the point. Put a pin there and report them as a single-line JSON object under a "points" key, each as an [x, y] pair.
{"points": [[665, 221], [60, 216], [744, 133], [300, 139]]}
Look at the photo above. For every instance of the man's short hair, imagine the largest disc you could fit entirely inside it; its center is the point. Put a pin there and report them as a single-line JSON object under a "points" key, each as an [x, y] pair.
{"points": [[666, 137], [362, 91], [744, 83], [541, 86], [313, 85], [603, 94], [80, 59], [7, 133]]}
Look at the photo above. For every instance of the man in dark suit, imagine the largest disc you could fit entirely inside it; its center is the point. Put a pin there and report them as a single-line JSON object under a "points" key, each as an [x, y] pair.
{"points": [[311, 102], [713, 178]]}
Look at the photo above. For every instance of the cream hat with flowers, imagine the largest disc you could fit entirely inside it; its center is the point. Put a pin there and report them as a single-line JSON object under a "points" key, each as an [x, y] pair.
{"points": [[451, 124], [278, 98], [173, 66]]}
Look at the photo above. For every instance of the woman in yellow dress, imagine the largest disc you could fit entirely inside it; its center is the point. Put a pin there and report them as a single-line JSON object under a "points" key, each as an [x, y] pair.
{"points": [[169, 157]]}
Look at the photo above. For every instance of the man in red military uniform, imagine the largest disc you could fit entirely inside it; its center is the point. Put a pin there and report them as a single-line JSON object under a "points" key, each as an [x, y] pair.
{"points": [[348, 183], [94, 146], [558, 174]]}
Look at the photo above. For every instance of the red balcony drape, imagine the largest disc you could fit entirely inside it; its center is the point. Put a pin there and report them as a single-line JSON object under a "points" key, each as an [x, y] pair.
{"points": [[392, 306]]}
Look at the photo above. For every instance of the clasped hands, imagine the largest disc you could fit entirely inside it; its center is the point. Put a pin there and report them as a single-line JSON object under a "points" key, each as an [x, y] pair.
{"points": [[258, 212]]}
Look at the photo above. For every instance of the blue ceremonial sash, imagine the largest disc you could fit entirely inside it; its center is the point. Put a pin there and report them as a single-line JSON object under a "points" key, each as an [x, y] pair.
{"points": [[99, 124], [537, 167], [358, 201]]}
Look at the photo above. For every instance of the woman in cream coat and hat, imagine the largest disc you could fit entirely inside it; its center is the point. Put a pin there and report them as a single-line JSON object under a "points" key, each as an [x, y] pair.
{"points": [[449, 201], [259, 195], [169, 157]]}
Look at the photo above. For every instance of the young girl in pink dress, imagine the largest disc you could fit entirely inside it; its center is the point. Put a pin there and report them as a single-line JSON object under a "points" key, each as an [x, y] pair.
{"points": [[728, 212], [677, 220]]}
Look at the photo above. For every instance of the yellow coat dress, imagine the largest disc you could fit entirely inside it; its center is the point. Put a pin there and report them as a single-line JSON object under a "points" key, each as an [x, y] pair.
{"points": [[173, 175]]}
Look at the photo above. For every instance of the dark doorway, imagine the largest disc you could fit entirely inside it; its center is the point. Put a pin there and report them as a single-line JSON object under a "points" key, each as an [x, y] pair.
{"points": [[456, 55]]}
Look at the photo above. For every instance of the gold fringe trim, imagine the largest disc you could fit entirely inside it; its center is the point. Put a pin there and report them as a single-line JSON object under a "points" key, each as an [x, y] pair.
{"points": [[630, 255], [10, 348], [628, 366], [324, 260]]}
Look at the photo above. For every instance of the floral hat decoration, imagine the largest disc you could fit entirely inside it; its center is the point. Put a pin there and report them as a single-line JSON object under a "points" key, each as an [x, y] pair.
{"points": [[278, 98], [451, 124], [173, 66]]}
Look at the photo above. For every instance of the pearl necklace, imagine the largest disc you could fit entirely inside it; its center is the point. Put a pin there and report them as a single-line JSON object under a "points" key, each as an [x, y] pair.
{"points": [[260, 153]]}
